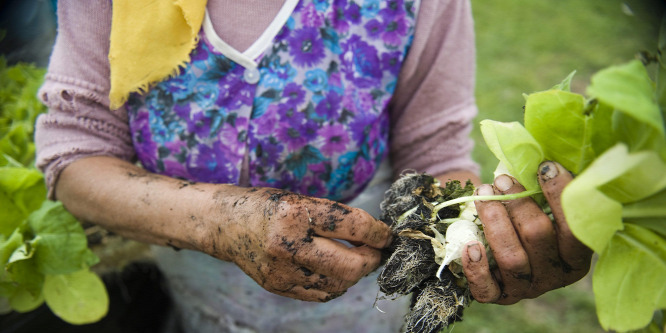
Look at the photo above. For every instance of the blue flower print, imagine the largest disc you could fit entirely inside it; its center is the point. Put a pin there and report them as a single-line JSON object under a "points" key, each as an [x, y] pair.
{"points": [[336, 139], [370, 8], [336, 17], [331, 40], [163, 131], [291, 136], [353, 13], [395, 27], [390, 87], [276, 75], [293, 94], [315, 123], [391, 61], [360, 63], [374, 28], [321, 5], [329, 107], [311, 17], [316, 80], [306, 46], [287, 28], [312, 186], [205, 94]]}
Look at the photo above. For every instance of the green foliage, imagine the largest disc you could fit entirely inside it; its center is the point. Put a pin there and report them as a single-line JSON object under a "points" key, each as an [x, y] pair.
{"points": [[78, 298], [615, 144], [44, 253], [515, 148], [19, 108], [522, 44]]}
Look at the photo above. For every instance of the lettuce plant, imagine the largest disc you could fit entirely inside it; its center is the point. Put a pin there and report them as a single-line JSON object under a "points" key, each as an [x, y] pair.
{"points": [[614, 142], [44, 255]]}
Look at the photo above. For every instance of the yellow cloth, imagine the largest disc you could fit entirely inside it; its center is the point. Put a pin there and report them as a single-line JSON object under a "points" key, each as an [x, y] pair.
{"points": [[150, 40]]}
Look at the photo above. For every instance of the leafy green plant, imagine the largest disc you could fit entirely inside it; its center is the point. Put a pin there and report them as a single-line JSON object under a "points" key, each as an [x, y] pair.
{"points": [[615, 143], [44, 253]]}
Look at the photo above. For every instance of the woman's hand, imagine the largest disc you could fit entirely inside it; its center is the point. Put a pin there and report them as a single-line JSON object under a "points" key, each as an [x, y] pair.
{"points": [[282, 240], [287, 242], [533, 254]]}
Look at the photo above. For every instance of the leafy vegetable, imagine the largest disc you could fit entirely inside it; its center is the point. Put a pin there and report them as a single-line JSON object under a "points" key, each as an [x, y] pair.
{"points": [[627, 296], [43, 249], [615, 144], [516, 149], [23, 191], [78, 298]]}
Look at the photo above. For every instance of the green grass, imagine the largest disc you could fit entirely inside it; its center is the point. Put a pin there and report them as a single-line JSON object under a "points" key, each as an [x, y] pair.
{"points": [[528, 46], [569, 309]]}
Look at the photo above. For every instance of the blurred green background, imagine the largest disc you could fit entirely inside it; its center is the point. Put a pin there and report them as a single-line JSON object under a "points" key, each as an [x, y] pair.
{"points": [[529, 46], [523, 47]]}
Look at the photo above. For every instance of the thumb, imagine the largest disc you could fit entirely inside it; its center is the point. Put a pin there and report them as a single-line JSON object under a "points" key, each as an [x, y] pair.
{"points": [[553, 178]]}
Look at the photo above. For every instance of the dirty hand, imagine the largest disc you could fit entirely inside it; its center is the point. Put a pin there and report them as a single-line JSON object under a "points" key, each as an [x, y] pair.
{"points": [[287, 243], [533, 254]]}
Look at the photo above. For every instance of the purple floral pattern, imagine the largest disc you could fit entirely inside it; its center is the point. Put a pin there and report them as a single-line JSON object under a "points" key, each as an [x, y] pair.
{"points": [[316, 123]]}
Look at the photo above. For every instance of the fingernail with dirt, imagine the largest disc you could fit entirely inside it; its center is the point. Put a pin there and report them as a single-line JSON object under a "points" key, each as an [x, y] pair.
{"points": [[485, 189], [503, 182], [474, 252], [548, 171]]}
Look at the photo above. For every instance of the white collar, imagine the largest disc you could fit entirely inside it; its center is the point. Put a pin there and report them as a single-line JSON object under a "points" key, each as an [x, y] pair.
{"points": [[247, 58]]}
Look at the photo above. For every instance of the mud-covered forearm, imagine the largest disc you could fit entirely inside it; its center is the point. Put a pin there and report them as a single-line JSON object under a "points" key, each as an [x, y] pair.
{"points": [[140, 205], [286, 242]]}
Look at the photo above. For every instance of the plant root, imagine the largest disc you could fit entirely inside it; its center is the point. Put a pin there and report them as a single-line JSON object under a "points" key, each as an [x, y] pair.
{"points": [[438, 304], [410, 265]]}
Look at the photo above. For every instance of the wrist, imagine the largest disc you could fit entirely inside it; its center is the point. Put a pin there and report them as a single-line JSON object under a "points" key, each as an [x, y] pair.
{"points": [[229, 214]]}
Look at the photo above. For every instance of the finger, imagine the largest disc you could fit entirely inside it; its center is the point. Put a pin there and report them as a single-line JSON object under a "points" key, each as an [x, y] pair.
{"points": [[507, 249], [481, 282], [310, 295], [334, 259], [537, 235], [351, 224], [553, 178], [311, 280]]}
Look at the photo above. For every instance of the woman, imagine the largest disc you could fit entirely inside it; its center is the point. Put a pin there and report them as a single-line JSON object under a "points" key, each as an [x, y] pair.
{"points": [[246, 156]]}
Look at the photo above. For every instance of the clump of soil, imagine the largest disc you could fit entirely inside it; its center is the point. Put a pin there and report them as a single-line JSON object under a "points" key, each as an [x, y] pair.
{"points": [[410, 266]]}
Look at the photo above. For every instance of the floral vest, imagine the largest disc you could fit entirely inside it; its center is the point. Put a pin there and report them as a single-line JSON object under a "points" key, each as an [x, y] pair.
{"points": [[306, 113]]}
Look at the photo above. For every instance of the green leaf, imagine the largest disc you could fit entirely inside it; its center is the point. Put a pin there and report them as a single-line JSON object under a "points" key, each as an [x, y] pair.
{"points": [[600, 125], [657, 225], [629, 89], [565, 85], [77, 298], [23, 301], [516, 149], [17, 145], [561, 112], [649, 213], [648, 170], [637, 135], [21, 192], [7, 247], [610, 180], [22, 269], [60, 243], [628, 279]]}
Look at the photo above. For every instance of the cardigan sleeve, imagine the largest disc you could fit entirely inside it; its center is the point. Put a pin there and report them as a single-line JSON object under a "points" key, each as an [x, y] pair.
{"points": [[79, 122], [433, 106]]}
